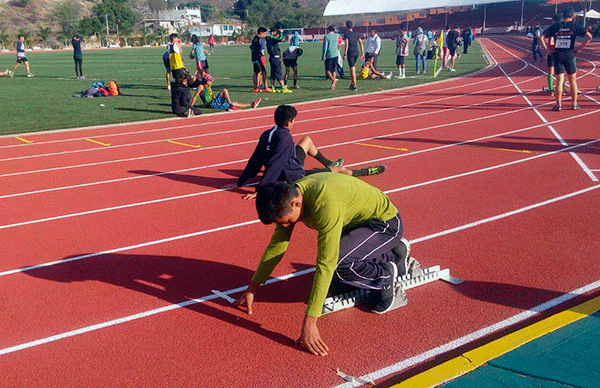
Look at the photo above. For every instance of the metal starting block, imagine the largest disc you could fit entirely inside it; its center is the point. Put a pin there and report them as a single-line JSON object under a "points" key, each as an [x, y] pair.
{"points": [[356, 296]]}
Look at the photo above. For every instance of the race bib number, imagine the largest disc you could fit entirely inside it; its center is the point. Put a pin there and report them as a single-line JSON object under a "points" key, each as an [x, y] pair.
{"points": [[563, 43]]}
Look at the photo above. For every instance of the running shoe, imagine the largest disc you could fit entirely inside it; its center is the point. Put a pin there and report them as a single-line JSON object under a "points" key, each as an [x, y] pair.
{"points": [[452, 70], [257, 90], [384, 300], [375, 170], [337, 163], [233, 107], [29, 75], [406, 264], [286, 90], [268, 90], [389, 75], [11, 73], [575, 107], [296, 87], [353, 87], [556, 108], [255, 103]]}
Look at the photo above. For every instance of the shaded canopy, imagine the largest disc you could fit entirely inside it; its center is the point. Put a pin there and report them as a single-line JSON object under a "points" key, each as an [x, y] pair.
{"points": [[350, 7]]}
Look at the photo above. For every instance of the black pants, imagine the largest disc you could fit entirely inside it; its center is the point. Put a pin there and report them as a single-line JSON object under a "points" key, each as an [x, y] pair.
{"points": [[78, 66], [364, 252]]}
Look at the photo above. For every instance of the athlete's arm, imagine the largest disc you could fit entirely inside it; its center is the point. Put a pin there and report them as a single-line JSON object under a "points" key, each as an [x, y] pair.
{"points": [[586, 39]]}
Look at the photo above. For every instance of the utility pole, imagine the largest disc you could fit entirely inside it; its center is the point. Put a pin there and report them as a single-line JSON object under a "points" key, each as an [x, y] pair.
{"points": [[107, 36], [522, 9]]}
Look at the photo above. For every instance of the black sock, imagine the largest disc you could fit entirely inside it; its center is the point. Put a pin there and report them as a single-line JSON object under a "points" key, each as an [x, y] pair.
{"points": [[323, 160]]}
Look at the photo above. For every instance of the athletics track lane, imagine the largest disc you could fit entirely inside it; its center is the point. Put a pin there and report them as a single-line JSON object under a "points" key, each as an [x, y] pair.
{"points": [[179, 347]]}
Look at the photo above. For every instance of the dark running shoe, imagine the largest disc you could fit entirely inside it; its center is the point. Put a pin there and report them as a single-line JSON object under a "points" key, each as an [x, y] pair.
{"points": [[575, 107], [337, 163], [383, 300], [556, 108], [375, 170]]}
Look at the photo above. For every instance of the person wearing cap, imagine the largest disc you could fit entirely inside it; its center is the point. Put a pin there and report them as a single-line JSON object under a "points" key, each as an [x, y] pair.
{"points": [[565, 34], [203, 83]]}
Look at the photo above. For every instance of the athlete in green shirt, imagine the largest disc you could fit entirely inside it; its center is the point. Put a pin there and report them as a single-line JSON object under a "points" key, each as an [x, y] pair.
{"points": [[359, 241]]}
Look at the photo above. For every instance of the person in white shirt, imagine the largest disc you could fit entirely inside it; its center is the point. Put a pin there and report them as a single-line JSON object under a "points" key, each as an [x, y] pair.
{"points": [[374, 46]]}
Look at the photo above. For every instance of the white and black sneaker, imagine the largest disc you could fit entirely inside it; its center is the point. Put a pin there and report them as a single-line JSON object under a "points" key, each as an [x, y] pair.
{"points": [[383, 300], [407, 265], [337, 163]]}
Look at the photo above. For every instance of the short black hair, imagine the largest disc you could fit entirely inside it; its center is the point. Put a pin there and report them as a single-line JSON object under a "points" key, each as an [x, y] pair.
{"points": [[195, 39], [274, 200], [273, 29], [284, 114], [349, 24], [261, 30], [172, 36], [568, 13], [331, 28], [21, 35]]}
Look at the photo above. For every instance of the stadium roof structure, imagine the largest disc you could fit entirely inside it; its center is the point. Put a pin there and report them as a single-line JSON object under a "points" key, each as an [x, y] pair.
{"points": [[351, 7]]}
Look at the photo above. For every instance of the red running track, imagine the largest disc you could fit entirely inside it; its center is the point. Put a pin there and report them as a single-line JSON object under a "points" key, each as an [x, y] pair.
{"points": [[110, 253]]}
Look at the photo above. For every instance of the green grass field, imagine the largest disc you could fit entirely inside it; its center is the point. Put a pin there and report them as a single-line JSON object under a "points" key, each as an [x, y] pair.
{"points": [[46, 102]]}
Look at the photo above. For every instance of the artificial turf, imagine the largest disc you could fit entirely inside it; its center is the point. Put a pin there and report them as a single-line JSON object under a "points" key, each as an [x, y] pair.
{"points": [[46, 102]]}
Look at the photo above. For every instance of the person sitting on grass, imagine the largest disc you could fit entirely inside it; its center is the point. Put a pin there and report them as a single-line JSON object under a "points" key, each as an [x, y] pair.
{"points": [[181, 97], [367, 71], [284, 161], [220, 101], [360, 243]]}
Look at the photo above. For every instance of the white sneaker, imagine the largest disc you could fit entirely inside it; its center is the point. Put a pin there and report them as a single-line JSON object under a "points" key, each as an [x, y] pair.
{"points": [[29, 75], [11, 73], [389, 75]]}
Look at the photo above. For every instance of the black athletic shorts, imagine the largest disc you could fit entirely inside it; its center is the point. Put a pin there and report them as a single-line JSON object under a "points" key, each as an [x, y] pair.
{"points": [[331, 64], [290, 62], [452, 50], [259, 66], [352, 58], [564, 61], [300, 155], [276, 73], [21, 59], [399, 60]]}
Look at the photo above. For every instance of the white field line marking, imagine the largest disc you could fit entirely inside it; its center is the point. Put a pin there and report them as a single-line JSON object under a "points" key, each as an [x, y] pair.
{"points": [[577, 159], [24, 223], [375, 375], [228, 132], [360, 124], [476, 335]]}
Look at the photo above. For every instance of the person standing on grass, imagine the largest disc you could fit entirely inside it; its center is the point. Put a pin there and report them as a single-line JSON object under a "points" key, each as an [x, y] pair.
{"points": [[176, 56], [257, 48], [467, 35], [420, 50], [167, 65], [273, 39], [401, 52], [77, 56], [21, 57], [199, 55], [452, 40], [565, 34], [330, 54], [211, 43], [359, 243], [351, 53], [290, 60], [373, 46]]}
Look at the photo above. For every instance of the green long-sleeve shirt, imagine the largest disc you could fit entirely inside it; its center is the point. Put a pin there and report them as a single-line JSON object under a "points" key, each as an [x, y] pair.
{"points": [[331, 49], [331, 202]]}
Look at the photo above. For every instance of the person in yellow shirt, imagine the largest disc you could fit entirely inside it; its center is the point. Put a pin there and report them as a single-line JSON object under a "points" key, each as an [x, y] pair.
{"points": [[176, 56], [360, 242], [367, 71]]}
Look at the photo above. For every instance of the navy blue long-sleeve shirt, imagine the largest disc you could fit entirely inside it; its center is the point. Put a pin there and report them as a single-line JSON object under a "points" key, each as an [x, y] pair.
{"points": [[275, 151]]}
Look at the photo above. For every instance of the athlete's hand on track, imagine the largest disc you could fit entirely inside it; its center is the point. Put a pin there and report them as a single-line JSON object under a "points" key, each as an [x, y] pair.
{"points": [[247, 298], [310, 337], [249, 196]]}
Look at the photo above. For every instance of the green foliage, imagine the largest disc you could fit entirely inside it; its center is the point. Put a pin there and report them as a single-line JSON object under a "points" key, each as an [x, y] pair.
{"points": [[4, 38], [44, 33], [120, 15], [66, 14], [278, 13]]}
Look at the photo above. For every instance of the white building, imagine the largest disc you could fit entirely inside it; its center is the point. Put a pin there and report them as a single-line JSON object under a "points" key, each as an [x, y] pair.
{"points": [[222, 29]]}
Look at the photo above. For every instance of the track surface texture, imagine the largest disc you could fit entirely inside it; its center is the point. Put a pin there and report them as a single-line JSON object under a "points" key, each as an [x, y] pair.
{"points": [[110, 252]]}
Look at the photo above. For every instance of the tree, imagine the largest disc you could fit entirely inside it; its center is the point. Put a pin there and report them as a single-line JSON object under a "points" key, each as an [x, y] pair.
{"points": [[4, 39], [120, 15], [161, 32], [44, 33], [67, 15]]}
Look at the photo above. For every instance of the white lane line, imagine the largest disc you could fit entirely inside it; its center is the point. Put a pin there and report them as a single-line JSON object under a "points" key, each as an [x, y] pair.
{"points": [[577, 159], [375, 375], [302, 121], [150, 202], [476, 335]]}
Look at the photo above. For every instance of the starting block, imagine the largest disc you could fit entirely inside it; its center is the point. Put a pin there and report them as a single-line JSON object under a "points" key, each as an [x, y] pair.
{"points": [[356, 296], [598, 88], [545, 89]]}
